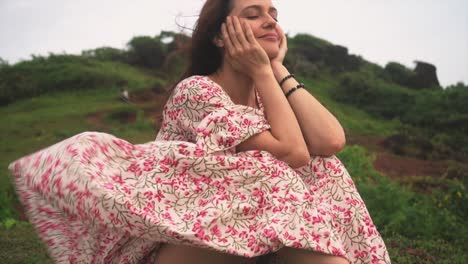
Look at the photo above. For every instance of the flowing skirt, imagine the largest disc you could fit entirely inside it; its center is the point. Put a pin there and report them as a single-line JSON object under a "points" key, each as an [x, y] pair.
{"points": [[95, 198]]}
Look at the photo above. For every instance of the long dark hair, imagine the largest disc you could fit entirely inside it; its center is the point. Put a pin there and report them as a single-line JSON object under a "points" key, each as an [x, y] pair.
{"points": [[204, 56]]}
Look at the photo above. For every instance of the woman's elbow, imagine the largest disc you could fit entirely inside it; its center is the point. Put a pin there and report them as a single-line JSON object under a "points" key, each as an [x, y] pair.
{"points": [[335, 146], [328, 147], [298, 158]]}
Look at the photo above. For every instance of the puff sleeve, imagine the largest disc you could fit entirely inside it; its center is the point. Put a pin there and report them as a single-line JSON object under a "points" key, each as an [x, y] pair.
{"points": [[200, 111], [226, 127]]}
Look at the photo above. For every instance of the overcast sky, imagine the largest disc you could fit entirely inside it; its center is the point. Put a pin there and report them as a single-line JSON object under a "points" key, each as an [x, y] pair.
{"points": [[434, 31]]}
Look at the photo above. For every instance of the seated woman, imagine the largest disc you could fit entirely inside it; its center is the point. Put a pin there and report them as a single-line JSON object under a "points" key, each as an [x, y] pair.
{"points": [[243, 165]]}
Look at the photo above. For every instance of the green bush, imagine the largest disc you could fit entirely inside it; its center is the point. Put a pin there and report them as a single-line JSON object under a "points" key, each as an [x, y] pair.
{"points": [[398, 73], [3, 63], [6, 201], [373, 95], [440, 109], [306, 50], [442, 114], [396, 209], [106, 54], [146, 51], [54, 73], [308, 40], [457, 95]]}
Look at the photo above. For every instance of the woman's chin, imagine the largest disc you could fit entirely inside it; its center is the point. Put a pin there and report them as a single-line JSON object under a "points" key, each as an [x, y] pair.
{"points": [[272, 49]]}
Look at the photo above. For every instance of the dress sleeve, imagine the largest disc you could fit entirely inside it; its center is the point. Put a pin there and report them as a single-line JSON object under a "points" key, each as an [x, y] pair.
{"points": [[206, 115], [192, 100], [226, 127]]}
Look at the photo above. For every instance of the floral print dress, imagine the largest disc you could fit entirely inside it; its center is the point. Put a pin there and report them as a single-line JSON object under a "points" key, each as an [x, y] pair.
{"points": [[95, 198]]}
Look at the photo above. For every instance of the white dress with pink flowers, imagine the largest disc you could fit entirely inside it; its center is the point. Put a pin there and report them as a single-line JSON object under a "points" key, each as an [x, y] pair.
{"points": [[95, 198]]}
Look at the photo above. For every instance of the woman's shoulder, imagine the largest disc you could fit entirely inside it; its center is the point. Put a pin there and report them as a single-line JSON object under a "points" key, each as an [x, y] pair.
{"points": [[200, 87], [195, 81]]}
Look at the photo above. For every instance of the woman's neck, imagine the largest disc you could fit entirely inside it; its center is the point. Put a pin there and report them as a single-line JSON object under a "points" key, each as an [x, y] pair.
{"points": [[237, 85]]}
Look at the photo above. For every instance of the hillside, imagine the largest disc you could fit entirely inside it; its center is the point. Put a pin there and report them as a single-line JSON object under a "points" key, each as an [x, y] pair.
{"points": [[405, 150]]}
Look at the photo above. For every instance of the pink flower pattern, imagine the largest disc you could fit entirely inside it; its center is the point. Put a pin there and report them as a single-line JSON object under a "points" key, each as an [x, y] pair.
{"points": [[95, 198]]}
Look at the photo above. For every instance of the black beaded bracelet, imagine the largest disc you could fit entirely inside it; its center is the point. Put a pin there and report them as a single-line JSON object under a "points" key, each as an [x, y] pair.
{"points": [[285, 78], [300, 85]]}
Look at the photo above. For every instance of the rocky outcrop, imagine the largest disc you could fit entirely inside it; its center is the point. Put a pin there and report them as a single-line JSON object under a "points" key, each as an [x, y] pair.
{"points": [[425, 76]]}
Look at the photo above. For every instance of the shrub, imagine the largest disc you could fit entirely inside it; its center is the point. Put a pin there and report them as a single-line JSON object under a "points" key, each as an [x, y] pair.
{"points": [[395, 209], [106, 54], [3, 63], [398, 73], [54, 73], [373, 95], [146, 51]]}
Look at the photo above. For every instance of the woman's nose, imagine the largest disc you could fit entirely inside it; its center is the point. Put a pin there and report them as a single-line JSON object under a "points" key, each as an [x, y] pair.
{"points": [[270, 22]]}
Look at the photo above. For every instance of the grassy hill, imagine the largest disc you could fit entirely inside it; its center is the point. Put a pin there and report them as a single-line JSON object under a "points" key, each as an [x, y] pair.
{"points": [[421, 214]]}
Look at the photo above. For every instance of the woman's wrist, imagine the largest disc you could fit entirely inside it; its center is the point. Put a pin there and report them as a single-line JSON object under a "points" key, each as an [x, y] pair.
{"points": [[262, 73], [279, 71]]}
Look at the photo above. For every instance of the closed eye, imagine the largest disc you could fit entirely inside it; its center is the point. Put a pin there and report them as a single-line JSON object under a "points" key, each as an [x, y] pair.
{"points": [[255, 17]]}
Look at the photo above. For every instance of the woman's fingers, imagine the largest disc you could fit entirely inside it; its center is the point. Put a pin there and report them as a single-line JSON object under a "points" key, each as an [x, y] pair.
{"points": [[233, 34], [284, 40], [236, 30], [227, 39], [242, 50], [240, 32], [248, 33]]}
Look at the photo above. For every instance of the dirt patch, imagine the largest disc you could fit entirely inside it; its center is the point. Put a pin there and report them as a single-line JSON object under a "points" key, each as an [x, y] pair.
{"points": [[124, 117], [400, 166], [19, 209], [97, 120], [150, 101], [145, 96], [372, 143], [397, 166]]}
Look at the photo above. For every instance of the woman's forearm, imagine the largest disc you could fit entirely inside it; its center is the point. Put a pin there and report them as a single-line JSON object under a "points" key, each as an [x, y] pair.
{"points": [[284, 125], [321, 130]]}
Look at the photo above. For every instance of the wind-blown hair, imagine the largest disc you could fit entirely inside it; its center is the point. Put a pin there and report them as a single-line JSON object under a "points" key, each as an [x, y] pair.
{"points": [[204, 56]]}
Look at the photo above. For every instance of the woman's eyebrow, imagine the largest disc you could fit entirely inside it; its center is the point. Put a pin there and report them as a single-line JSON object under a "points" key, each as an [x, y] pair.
{"points": [[258, 7]]}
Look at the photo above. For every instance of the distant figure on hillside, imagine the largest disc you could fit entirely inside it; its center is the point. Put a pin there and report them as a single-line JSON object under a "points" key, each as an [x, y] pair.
{"points": [[124, 96], [242, 166]]}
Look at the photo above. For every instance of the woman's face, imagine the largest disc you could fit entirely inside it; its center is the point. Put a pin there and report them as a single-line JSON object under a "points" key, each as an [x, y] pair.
{"points": [[262, 16]]}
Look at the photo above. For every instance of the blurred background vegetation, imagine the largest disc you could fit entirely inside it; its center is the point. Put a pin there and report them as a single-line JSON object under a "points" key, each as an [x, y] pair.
{"points": [[407, 136]]}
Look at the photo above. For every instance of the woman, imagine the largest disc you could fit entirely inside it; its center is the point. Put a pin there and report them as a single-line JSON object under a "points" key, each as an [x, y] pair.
{"points": [[229, 177]]}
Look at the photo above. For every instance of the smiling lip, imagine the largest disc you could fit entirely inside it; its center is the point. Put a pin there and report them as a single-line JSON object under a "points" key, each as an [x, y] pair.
{"points": [[270, 37]]}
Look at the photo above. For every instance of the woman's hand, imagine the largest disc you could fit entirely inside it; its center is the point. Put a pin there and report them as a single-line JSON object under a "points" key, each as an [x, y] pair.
{"points": [[283, 48], [242, 49]]}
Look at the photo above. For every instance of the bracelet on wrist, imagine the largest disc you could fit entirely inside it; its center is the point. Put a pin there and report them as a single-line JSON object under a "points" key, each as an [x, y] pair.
{"points": [[292, 90], [286, 78]]}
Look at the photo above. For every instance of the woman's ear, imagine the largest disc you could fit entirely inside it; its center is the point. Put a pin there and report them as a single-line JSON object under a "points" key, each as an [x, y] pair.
{"points": [[218, 42]]}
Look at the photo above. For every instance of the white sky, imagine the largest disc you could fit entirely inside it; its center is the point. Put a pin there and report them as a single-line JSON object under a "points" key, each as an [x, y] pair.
{"points": [[435, 31]]}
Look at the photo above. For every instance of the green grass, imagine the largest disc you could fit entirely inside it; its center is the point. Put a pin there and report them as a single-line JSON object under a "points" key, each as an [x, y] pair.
{"points": [[354, 121], [32, 124], [20, 245], [416, 227], [429, 251]]}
